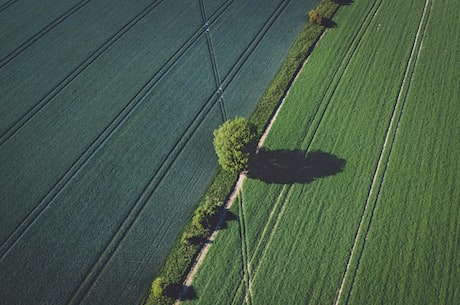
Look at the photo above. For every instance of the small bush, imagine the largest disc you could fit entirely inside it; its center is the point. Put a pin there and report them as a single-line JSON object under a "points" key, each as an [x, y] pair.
{"points": [[315, 17], [158, 287]]}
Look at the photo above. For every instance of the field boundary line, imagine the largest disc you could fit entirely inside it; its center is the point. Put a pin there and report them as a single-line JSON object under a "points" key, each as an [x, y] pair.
{"points": [[7, 4], [103, 137], [45, 30], [384, 157], [205, 249]]}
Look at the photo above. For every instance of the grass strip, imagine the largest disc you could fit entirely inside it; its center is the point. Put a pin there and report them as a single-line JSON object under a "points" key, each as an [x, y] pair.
{"points": [[192, 239]]}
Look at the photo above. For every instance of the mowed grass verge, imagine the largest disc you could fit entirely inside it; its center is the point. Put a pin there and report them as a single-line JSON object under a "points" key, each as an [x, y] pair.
{"points": [[292, 243]]}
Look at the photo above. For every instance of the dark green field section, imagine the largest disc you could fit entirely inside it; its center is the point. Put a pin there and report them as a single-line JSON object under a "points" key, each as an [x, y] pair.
{"points": [[106, 128]]}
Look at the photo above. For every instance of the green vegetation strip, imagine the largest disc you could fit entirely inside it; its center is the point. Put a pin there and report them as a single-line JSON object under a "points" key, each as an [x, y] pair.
{"points": [[186, 248]]}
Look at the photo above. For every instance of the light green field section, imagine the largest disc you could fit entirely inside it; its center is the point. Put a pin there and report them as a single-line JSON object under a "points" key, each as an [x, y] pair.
{"points": [[412, 252], [300, 243]]}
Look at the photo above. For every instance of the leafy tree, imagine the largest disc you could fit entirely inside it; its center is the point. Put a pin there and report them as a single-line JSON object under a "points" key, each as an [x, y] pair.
{"points": [[315, 17], [231, 143]]}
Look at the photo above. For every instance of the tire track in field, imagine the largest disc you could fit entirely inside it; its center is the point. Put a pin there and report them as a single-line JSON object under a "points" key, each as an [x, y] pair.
{"points": [[77, 71], [244, 249], [338, 74], [278, 210], [318, 118], [384, 158], [31, 40], [99, 52], [249, 50], [107, 133], [213, 60], [7, 4]]}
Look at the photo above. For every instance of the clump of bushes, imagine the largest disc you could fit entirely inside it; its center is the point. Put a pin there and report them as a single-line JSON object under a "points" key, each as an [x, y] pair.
{"points": [[203, 219], [158, 288]]}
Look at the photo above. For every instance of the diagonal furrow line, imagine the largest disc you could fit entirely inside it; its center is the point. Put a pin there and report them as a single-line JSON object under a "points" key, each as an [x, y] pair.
{"points": [[97, 144], [384, 158], [82, 67], [7, 4], [244, 253], [99, 52], [280, 205], [13, 54], [246, 246], [243, 58], [268, 225], [213, 61], [273, 231], [140, 204]]}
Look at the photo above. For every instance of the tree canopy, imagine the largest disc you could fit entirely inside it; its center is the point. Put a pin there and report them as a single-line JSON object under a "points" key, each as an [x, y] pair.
{"points": [[231, 143]]}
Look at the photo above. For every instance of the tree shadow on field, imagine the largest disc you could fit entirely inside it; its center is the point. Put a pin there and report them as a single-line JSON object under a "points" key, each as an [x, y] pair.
{"points": [[343, 2], [292, 166], [181, 292], [329, 23], [229, 216]]}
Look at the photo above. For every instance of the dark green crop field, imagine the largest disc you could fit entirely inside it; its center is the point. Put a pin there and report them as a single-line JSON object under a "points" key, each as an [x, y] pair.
{"points": [[369, 213], [107, 112]]}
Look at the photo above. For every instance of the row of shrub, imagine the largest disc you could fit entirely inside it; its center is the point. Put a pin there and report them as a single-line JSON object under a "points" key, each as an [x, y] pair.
{"points": [[167, 286]]}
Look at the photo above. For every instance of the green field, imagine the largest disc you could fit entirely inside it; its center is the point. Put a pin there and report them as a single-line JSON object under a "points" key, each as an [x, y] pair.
{"points": [[376, 220], [106, 128]]}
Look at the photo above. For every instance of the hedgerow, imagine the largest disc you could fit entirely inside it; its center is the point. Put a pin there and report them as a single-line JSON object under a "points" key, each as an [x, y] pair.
{"points": [[198, 229]]}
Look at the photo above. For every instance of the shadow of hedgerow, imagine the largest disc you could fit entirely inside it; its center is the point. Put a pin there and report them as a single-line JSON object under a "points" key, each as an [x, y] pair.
{"points": [[292, 166]]}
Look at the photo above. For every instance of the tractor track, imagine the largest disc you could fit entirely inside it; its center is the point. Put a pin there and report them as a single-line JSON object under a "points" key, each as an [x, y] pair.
{"points": [[384, 158]]}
